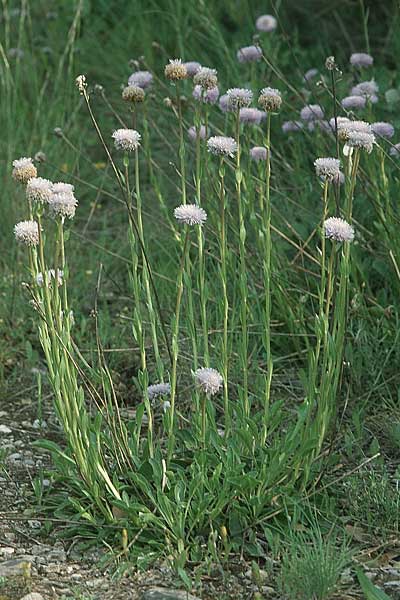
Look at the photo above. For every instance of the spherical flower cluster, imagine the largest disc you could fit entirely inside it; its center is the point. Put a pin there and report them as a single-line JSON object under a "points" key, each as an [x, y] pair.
{"points": [[312, 112], [27, 232], [206, 78], [345, 128], [175, 70], [208, 380], [258, 153], [222, 146], [23, 170], [51, 274], [224, 103], [251, 115], [62, 188], [190, 214], [338, 229], [192, 67], [239, 98], [310, 74], [327, 168], [142, 79], [39, 190], [270, 99], [362, 140], [368, 89], [126, 139], [361, 59], [209, 96], [353, 102], [266, 23], [133, 93], [63, 204], [249, 54], [158, 389], [289, 126], [192, 132], [382, 129]]}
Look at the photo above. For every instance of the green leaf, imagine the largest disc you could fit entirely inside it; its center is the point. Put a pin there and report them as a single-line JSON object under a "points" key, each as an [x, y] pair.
{"points": [[370, 590]]}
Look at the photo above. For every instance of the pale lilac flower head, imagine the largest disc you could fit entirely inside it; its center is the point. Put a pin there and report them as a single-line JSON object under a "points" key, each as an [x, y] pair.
{"points": [[192, 67], [327, 168], [353, 102], [395, 150], [23, 170], [126, 139], [239, 98], [258, 153], [224, 103], [289, 126], [270, 99], [190, 214], [312, 112], [249, 54], [345, 128], [322, 124], [266, 23], [206, 78], [251, 115], [192, 132], [39, 190], [27, 232], [359, 139], [338, 229], [158, 390], [209, 96], [382, 129], [222, 146], [361, 59], [368, 89], [175, 70], [208, 380], [310, 74], [142, 79]]}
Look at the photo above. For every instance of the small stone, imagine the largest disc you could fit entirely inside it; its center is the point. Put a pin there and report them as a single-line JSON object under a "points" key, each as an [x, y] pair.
{"points": [[33, 596], [159, 593], [7, 551], [39, 424], [16, 456], [34, 524], [16, 566], [392, 584], [4, 429], [346, 577]]}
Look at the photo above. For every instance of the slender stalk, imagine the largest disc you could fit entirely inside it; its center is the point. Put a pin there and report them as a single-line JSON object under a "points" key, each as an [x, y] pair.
{"points": [[223, 253]]}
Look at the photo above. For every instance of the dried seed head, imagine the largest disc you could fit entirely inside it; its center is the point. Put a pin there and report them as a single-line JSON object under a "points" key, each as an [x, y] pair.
{"points": [[81, 84], [142, 79], [270, 99], [126, 139], [208, 380], [175, 70], [330, 63], [327, 168], [361, 59], [39, 190], [266, 23], [133, 93], [27, 232], [258, 153], [239, 98], [338, 229], [222, 146], [190, 214], [206, 78], [40, 157], [249, 54], [23, 170]]}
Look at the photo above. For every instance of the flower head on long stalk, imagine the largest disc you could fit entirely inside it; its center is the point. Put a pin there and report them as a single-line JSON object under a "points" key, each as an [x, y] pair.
{"points": [[27, 232], [23, 170]]}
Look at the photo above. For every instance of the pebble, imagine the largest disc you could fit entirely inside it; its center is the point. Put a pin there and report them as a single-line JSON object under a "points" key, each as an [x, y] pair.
{"points": [[5, 429], [7, 551], [33, 596], [392, 584], [15, 566], [159, 593]]}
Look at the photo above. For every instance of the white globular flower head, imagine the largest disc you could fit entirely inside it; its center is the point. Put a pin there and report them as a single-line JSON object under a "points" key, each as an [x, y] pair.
{"points": [[51, 274], [361, 59], [63, 204], [190, 214], [23, 170], [249, 54], [27, 232], [382, 129], [355, 102], [222, 146], [270, 99], [338, 229], [239, 98], [142, 79], [362, 140], [39, 190], [346, 127], [258, 153], [206, 78], [312, 112], [126, 139], [175, 70], [266, 23], [157, 390], [327, 168], [62, 188], [208, 380]]}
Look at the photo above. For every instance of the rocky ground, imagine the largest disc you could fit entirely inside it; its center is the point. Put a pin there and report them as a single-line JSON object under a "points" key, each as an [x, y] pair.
{"points": [[36, 566]]}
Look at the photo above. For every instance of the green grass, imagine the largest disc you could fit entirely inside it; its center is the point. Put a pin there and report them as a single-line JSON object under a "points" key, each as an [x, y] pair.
{"points": [[184, 518]]}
